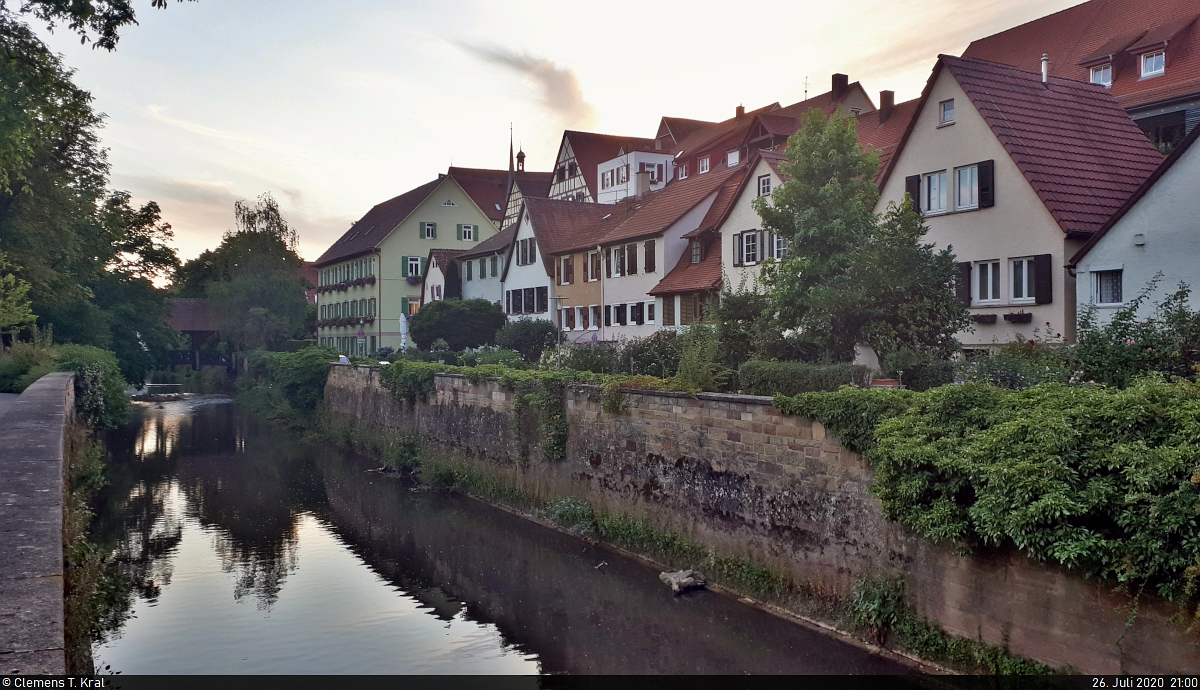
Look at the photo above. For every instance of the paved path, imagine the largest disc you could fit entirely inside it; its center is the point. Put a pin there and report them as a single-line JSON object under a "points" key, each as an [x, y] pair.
{"points": [[6, 401]]}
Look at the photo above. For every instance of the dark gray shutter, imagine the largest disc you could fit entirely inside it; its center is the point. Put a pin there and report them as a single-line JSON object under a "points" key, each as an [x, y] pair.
{"points": [[737, 249], [987, 184], [912, 187], [1043, 279], [963, 287]]}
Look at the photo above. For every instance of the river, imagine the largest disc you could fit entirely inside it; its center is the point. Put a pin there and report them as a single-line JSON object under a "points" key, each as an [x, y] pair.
{"points": [[247, 550]]}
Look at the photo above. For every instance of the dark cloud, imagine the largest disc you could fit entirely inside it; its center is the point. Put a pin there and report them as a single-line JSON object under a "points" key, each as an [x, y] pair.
{"points": [[561, 92]]}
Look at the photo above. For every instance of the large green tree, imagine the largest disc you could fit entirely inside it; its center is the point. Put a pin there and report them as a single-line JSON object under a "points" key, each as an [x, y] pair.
{"points": [[99, 21], [252, 277], [461, 323], [15, 308], [852, 276]]}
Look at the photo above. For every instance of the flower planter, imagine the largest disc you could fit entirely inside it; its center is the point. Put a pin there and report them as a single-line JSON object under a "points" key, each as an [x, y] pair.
{"points": [[885, 383], [1020, 317], [984, 318]]}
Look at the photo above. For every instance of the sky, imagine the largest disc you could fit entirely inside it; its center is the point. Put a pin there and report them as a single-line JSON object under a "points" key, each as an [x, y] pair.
{"points": [[333, 107]]}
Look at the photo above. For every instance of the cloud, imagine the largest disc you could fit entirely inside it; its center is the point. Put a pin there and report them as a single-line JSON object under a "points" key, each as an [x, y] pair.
{"points": [[561, 91]]}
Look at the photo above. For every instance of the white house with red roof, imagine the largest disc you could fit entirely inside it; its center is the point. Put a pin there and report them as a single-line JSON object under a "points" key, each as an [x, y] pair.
{"points": [[1155, 235], [579, 157], [1015, 173]]}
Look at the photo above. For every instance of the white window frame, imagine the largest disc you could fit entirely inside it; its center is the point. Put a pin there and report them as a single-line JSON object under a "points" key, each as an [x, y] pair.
{"points": [[564, 269], [469, 233], [413, 261], [695, 252], [927, 189], [1146, 57], [780, 249], [942, 112], [590, 277], [973, 179], [425, 228], [749, 241], [594, 321], [1026, 275], [704, 165], [732, 158], [683, 171], [764, 185], [995, 282], [1099, 70], [1095, 272], [650, 312]]}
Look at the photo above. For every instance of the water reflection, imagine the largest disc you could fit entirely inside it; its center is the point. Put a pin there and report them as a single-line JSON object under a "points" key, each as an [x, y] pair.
{"points": [[249, 550]]}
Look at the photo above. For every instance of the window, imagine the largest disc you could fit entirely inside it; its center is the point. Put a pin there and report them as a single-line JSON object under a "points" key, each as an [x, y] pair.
{"points": [[566, 270], [780, 248], [650, 312], [764, 185], [623, 174], [988, 285], [1108, 286], [468, 233], [683, 171], [469, 265], [750, 248], [414, 266], [429, 231], [581, 318], [1102, 75], [495, 266], [620, 310], [703, 165], [967, 188], [618, 261], [934, 198], [696, 251], [413, 307], [1022, 280], [543, 299], [732, 158], [637, 313], [855, 112], [372, 307], [1154, 64], [631, 259], [946, 112], [595, 320], [483, 269], [649, 249], [572, 169], [593, 263], [449, 202], [526, 251]]}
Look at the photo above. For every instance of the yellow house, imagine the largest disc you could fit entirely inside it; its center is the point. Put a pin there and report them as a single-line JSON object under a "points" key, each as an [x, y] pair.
{"points": [[371, 277]]}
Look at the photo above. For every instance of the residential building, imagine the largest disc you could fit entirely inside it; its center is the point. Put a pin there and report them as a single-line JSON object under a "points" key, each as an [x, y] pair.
{"points": [[638, 252], [619, 177], [569, 234], [527, 276], [1154, 236], [371, 277], [441, 279], [1147, 54], [481, 269], [579, 157], [1014, 174], [524, 184]]}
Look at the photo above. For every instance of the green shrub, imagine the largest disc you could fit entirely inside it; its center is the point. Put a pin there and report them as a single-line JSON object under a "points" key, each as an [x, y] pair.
{"points": [[294, 382], [699, 369], [851, 413], [17, 362], [793, 378], [918, 371], [100, 398], [459, 323], [528, 336]]}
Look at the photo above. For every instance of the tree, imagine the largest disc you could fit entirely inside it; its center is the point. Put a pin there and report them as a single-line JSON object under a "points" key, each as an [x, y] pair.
{"points": [[14, 304], [851, 276], [99, 21], [461, 323], [528, 336]]}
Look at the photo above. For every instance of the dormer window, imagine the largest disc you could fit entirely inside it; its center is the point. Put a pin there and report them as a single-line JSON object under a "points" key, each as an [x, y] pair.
{"points": [[1102, 75], [732, 158], [696, 251], [683, 171], [1154, 64], [703, 165], [946, 112]]}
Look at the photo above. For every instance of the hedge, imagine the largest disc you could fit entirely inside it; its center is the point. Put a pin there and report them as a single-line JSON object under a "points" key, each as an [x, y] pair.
{"points": [[792, 378]]}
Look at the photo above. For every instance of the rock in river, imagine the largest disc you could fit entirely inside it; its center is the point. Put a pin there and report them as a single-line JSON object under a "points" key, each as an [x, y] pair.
{"points": [[682, 579]]}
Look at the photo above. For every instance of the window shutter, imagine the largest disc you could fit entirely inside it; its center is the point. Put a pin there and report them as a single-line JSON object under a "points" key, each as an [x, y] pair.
{"points": [[987, 184], [571, 268], [460, 231], [912, 187], [631, 259], [403, 307], [1043, 279], [508, 301], [608, 263], [737, 249], [404, 265], [433, 231], [762, 245], [963, 287], [660, 172], [422, 268]]}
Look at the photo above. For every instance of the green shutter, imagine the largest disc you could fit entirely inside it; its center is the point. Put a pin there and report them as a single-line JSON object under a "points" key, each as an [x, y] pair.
{"points": [[422, 267], [433, 227], [404, 266], [403, 307], [460, 231]]}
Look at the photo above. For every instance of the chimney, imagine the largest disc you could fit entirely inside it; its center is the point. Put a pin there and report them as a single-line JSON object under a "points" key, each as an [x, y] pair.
{"points": [[643, 183], [840, 83], [1045, 68], [887, 103], [741, 111]]}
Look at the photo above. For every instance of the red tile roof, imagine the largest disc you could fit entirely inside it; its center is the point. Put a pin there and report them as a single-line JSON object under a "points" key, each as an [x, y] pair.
{"points": [[487, 188], [563, 226], [705, 138], [727, 196], [534, 184], [445, 256], [496, 243], [370, 230], [886, 138], [690, 277], [592, 149], [678, 128], [192, 314], [658, 210], [1077, 36], [1132, 201], [1077, 148]]}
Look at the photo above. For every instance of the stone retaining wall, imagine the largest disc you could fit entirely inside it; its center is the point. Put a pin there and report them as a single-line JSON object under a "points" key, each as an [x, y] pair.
{"points": [[33, 439], [733, 473]]}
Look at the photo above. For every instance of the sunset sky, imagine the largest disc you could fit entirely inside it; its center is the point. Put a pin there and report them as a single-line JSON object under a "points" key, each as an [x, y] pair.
{"points": [[336, 106]]}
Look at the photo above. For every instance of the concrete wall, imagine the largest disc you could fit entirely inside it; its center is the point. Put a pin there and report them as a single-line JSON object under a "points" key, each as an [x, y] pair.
{"points": [[733, 473], [33, 438]]}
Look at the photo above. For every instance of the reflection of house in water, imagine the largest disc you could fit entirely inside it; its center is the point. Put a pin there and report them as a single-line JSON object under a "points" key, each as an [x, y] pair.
{"points": [[195, 318]]}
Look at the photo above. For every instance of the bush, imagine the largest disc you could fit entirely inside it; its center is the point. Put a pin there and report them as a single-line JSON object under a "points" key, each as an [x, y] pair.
{"points": [[698, 366], [460, 324], [918, 371], [298, 377], [793, 378], [100, 398], [18, 361], [851, 413], [528, 336]]}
